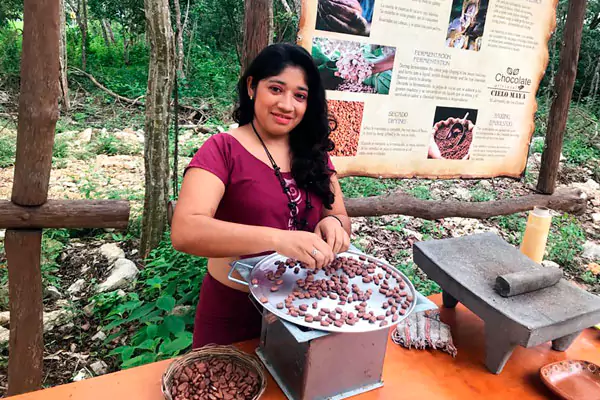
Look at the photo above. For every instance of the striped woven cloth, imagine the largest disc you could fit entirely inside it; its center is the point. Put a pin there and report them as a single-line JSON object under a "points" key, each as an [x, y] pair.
{"points": [[424, 330]]}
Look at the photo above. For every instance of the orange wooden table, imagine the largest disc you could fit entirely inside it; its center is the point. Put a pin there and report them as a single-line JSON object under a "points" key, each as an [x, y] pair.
{"points": [[407, 374]]}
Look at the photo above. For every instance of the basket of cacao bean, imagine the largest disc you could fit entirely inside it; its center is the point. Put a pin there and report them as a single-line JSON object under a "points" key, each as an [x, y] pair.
{"points": [[214, 372]]}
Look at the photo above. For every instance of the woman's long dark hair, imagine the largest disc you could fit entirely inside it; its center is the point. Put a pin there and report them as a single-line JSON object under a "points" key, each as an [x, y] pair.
{"points": [[309, 141]]}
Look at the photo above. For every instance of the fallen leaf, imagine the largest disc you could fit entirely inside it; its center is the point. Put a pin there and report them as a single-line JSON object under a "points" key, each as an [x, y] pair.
{"points": [[594, 268]]}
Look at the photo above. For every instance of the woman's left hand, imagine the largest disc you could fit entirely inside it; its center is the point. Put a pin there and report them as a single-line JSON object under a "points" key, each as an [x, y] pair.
{"points": [[334, 234]]}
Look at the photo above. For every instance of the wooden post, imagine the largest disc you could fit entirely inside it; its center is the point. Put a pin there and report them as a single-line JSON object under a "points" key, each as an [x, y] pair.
{"points": [[25, 361], [38, 112], [28, 212], [564, 82], [258, 29]]}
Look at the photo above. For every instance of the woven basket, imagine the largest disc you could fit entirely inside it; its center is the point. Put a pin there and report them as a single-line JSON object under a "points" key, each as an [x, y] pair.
{"points": [[225, 353]]}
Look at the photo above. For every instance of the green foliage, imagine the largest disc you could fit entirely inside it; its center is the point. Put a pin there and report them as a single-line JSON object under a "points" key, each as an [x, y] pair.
{"points": [[8, 148], [580, 151], [425, 286], [10, 55], [565, 241], [105, 143], [538, 147], [365, 187], [480, 194], [420, 192], [10, 9], [513, 225], [432, 230], [169, 279]]}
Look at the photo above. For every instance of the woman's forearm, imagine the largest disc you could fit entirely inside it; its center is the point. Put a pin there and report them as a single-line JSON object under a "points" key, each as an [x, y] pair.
{"points": [[204, 236]]}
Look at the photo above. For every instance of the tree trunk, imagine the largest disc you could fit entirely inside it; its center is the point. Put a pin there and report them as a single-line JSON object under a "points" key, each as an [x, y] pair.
{"points": [[565, 80], [156, 145], [179, 38], [64, 84], [104, 33], [81, 16], [258, 29], [109, 30], [191, 41], [286, 6], [595, 81], [126, 44]]}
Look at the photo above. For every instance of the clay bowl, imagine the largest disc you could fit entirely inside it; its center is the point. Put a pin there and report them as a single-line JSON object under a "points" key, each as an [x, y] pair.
{"points": [[573, 379]]}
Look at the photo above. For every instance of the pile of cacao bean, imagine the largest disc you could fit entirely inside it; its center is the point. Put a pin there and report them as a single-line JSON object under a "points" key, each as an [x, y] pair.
{"points": [[337, 286], [348, 115], [214, 379]]}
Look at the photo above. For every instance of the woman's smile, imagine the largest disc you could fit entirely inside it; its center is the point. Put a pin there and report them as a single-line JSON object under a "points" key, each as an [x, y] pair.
{"points": [[282, 119]]}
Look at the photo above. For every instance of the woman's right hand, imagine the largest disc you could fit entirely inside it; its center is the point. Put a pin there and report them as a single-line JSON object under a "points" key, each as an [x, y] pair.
{"points": [[300, 245]]}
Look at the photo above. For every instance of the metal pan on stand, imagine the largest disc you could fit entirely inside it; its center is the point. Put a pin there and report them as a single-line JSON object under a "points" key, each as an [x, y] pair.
{"points": [[256, 270]]}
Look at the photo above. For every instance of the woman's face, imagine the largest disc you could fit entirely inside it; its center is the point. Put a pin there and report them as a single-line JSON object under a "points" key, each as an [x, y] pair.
{"points": [[280, 101]]}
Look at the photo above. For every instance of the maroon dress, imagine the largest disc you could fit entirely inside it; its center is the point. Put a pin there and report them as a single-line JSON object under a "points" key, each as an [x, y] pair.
{"points": [[253, 196]]}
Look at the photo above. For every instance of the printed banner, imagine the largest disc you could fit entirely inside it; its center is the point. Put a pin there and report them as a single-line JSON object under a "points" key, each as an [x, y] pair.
{"points": [[430, 88]]}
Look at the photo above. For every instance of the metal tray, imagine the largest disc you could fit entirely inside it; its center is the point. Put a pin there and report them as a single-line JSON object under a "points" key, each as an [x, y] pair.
{"points": [[263, 289]]}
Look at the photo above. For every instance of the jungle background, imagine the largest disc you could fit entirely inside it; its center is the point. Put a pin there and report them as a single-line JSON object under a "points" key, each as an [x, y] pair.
{"points": [[92, 324]]}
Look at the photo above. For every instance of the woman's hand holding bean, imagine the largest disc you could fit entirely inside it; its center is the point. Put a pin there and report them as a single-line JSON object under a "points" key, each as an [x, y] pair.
{"points": [[301, 246]]}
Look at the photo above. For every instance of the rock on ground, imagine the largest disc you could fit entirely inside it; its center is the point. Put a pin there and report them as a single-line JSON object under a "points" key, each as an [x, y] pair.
{"points": [[99, 336], [591, 251], [76, 287], [112, 252], [550, 264], [81, 375], [56, 318], [4, 335], [52, 292], [99, 367], [123, 273]]}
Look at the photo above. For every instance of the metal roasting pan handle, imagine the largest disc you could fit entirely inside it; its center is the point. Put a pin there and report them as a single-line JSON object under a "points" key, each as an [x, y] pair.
{"points": [[243, 267]]}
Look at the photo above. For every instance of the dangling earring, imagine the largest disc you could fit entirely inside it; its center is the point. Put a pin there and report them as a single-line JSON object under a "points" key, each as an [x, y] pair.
{"points": [[251, 98]]}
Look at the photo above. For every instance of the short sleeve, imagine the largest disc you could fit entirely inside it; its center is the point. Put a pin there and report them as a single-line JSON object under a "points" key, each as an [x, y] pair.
{"points": [[214, 156], [330, 164]]}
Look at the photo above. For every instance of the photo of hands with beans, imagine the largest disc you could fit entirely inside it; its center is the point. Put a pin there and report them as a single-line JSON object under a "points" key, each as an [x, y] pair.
{"points": [[352, 17]]}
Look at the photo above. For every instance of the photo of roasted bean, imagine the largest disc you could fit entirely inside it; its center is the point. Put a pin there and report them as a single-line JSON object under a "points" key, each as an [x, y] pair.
{"points": [[348, 117], [452, 133]]}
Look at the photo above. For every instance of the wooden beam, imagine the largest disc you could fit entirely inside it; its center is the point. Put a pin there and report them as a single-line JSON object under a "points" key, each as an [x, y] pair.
{"points": [[38, 101], [559, 111], [567, 200], [66, 214], [23, 251]]}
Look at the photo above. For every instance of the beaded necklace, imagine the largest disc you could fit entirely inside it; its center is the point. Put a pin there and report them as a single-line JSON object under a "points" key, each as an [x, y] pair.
{"points": [[298, 225]]}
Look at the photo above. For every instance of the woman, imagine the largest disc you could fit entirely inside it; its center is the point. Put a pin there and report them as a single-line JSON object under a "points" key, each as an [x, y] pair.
{"points": [[266, 186]]}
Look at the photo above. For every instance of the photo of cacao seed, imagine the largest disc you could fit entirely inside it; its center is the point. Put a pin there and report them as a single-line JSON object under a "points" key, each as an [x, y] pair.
{"points": [[467, 22], [356, 67]]}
